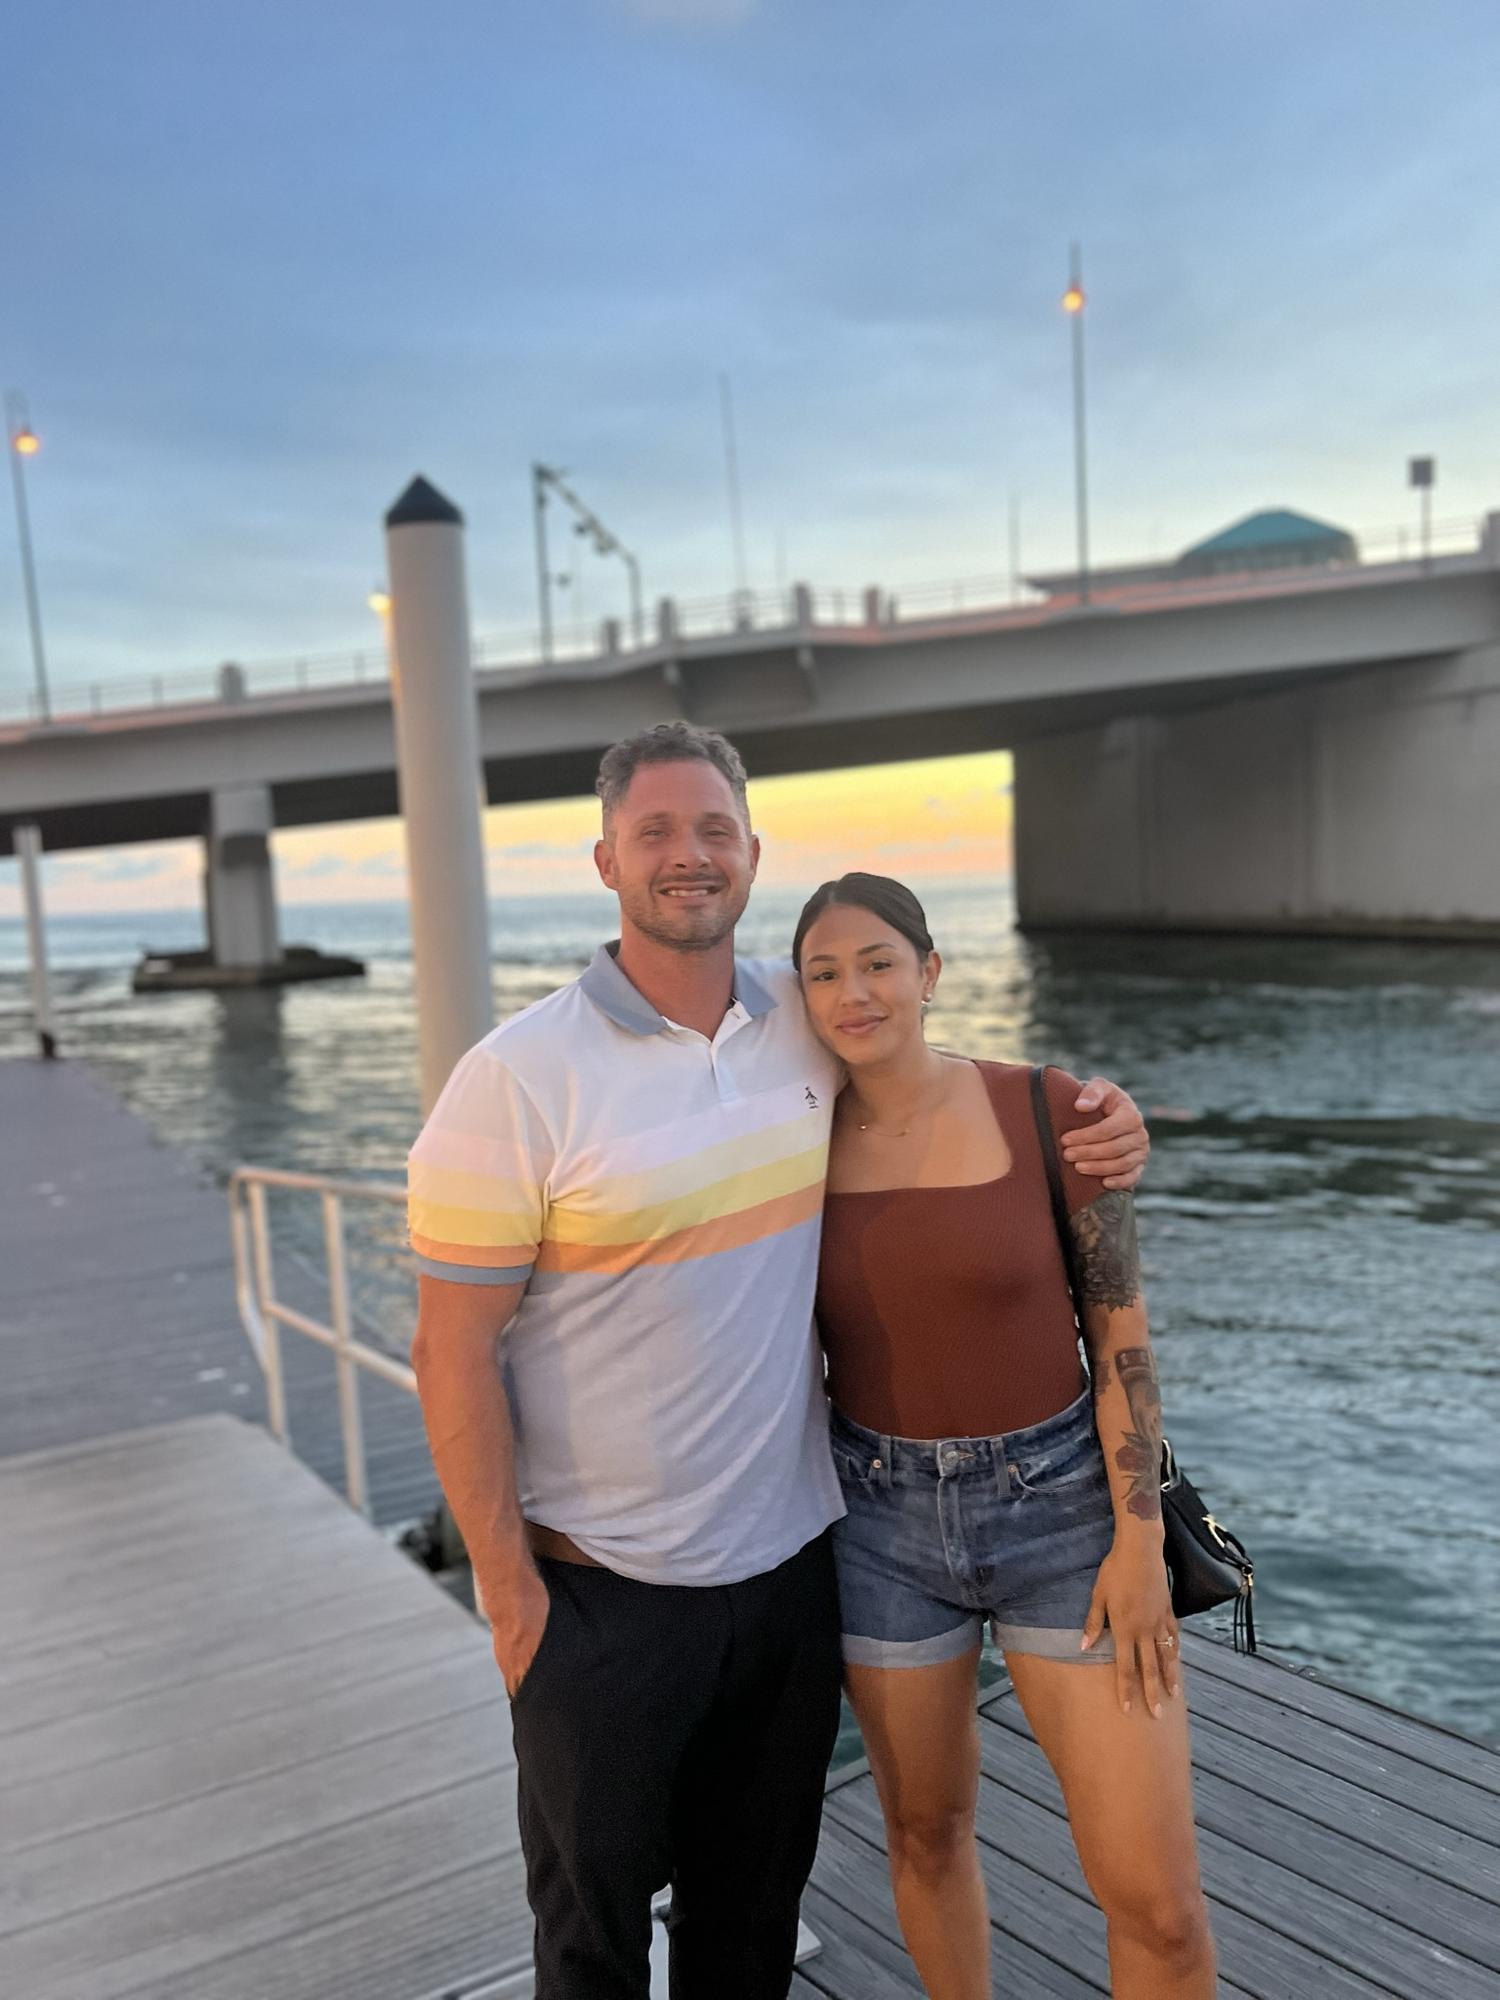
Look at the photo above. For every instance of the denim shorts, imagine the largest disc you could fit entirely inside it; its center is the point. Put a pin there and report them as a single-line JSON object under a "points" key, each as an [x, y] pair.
{"points": [[944, 1533]]}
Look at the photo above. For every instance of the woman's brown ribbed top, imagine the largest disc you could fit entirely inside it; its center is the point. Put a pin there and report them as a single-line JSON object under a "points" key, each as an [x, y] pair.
{"points": [[945, 1311]]}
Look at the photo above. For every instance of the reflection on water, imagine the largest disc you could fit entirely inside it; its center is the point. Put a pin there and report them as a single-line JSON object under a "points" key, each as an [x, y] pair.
{"points": [[1319, 1222]]}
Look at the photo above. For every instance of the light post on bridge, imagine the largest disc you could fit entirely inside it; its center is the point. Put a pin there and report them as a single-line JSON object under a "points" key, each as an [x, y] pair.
{"points": [[1421, 474], [22, 443], [1073, 304], [585, 522], [379, 601]]}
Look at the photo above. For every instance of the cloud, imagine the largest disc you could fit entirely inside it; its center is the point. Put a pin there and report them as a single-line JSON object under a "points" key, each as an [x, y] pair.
{"points": [[126, 867], [545, 850], [121, 865]]}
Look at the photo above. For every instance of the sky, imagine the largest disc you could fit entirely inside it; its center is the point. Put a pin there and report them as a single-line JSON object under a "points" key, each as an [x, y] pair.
{"points": [[265, 263]]}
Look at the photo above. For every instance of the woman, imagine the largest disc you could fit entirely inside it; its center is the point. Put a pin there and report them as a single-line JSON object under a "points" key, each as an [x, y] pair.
{"points": [[986, 1476]]}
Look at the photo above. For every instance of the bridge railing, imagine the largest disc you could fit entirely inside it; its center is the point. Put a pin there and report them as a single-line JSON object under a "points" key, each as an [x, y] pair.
{"points": [[711, 619], [233, 682], [736, 611]]}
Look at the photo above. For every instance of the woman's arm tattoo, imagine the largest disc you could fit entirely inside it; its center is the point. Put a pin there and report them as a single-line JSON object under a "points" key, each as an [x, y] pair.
{"points": [[1107, 1257], [1139, 1457], [1107, 1251]]}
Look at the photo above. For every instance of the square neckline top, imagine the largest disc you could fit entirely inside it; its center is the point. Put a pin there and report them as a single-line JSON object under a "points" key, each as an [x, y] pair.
{"points": [[946, 1187], [951, 1317]]}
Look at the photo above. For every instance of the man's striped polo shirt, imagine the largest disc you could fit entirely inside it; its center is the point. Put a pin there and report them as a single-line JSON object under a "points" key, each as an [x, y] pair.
{"points": [[662, 1195]]}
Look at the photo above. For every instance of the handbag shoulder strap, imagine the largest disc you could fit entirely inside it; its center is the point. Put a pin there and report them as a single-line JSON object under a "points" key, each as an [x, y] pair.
{"points": [[1053, 1165], [1048, 1140]]}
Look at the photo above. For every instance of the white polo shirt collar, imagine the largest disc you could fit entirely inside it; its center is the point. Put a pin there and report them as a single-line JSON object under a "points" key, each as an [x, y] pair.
{"points": [[613, 994]]}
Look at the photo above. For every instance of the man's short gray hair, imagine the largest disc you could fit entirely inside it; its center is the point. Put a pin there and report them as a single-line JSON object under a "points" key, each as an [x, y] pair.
{"points": [[668, 743]]}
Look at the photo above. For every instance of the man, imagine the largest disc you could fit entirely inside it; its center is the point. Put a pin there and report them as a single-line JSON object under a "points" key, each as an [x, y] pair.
{"points": [[615, 1207]]}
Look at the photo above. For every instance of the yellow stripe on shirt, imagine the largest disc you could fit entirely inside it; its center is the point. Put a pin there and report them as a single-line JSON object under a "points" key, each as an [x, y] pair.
{"points": [[731, 1196], [703, 1239]]}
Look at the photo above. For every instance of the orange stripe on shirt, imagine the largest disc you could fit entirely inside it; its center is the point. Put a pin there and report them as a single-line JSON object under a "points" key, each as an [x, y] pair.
{"points": [[702, 1239], [480, 1255]]}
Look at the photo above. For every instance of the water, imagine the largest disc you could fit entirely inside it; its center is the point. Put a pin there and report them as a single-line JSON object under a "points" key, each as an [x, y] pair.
{"points": [[1319, 1222]]}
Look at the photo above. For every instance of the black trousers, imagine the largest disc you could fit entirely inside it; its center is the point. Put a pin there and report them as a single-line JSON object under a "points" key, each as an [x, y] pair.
{"points": [[673, 1735]]}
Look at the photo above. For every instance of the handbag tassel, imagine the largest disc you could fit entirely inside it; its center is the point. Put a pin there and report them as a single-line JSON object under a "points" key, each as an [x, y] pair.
{"points": [[1244, 1619]]}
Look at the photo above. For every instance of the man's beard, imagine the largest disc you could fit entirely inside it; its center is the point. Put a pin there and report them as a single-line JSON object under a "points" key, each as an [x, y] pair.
{"points": [[700, 927]]}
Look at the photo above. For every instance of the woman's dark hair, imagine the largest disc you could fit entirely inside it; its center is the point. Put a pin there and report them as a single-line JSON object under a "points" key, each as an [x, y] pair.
{"points": [[889, 900]]}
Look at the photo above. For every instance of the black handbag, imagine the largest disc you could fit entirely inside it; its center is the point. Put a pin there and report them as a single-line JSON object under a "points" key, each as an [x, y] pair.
{"points": [[1206, 1564]]}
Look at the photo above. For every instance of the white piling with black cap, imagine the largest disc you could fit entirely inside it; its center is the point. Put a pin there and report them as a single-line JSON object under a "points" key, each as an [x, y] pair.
{"points": [[28, 846], [438, 774]]}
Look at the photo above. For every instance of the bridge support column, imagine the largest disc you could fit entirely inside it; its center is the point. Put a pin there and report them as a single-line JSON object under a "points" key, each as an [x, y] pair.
{"points": [[239, 902], [239, 886], [1363, 805]]}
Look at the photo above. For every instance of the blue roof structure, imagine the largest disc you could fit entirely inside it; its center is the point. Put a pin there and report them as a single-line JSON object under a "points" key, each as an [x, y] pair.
{"points": [[1277, 527]]}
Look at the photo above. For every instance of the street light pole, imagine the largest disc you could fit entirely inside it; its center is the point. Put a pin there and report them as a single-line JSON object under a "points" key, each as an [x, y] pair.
{"points": [[605, 544], [1422, 473], [637, 611], [1073, 303], [23, 442], [379, 601], [540, 474], [732, 481]]}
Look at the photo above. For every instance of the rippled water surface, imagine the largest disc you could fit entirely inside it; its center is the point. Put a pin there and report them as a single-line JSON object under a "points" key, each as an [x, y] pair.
{"points": [[1321, 1219]]}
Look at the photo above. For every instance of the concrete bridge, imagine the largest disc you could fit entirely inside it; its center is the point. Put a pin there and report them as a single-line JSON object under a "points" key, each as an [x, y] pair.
{"points": [[1306, 750]]}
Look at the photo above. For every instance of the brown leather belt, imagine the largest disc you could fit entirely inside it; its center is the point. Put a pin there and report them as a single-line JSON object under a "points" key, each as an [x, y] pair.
{"points": [[553, 1543]]}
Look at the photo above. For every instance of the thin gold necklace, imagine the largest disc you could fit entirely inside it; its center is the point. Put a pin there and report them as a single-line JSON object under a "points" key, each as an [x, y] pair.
{"points": [[882, 1132]]}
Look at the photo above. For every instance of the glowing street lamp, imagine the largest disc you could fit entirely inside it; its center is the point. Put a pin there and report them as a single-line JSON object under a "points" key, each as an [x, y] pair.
{"points": [[23, 444], [379, 601], [1073, 303]]}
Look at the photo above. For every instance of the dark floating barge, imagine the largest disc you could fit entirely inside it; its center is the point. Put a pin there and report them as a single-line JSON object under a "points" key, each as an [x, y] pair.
{"points": [[183, 971]]}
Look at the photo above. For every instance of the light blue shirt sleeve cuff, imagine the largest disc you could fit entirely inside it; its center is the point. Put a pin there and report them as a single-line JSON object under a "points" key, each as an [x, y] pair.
{"points": [[474, 1274]]}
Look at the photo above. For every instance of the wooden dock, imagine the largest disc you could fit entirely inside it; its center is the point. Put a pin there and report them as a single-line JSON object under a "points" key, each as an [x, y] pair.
{"points": [[1348, 1851], [249, 1752], [117, 1303]]}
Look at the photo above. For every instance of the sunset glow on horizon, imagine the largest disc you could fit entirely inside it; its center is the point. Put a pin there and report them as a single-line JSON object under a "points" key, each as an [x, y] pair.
{"points": [[937, 817]]}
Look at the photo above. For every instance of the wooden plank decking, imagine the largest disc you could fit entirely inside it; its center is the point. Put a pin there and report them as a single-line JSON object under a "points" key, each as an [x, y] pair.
{"points": [[248, 1752], [1348, 1851], [117, 1296], [254, 1752]]}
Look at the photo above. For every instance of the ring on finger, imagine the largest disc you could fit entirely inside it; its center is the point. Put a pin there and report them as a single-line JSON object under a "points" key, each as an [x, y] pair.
{"points": [[1169, 1641]]}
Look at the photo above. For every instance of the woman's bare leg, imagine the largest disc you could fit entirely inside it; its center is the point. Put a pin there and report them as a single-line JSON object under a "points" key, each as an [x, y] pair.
{"points": [[921, 1731], [1127, 1784]]}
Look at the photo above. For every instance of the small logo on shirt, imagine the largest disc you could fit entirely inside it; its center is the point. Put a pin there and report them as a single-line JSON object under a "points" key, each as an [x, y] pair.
{"points": [[812, 1102]]}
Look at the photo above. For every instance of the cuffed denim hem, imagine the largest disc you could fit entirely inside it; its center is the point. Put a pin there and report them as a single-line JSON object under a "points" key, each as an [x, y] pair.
{"points": [[1053, 1642], [951, 1645]]}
